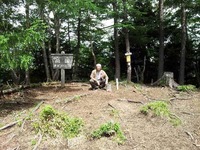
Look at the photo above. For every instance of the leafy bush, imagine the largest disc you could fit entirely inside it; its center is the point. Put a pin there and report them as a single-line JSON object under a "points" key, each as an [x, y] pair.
{"points": [[185, 88], [53, 123], [110, 129], [160, 108]]}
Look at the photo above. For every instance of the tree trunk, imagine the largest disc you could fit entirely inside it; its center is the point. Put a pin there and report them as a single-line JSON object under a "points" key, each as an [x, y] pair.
{"points": [[69, 37], [46, 63], [41, 9], [27, 9], [15, 77], [76, 53], [93, 54], [127, 41], [57, 33], [183, 45], [116, 42], [50, 62], [161, 40]]}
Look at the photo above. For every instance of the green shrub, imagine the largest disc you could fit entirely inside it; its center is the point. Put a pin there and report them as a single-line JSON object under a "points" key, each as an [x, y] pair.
{"points": [[53, 123], [161, 108], [110, 129], [185, 88]]}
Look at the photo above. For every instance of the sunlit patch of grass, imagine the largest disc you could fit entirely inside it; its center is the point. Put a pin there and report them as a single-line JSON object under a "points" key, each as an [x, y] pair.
{"points": [[186, 88], [110, 129], [53, 123], [160, 108]]}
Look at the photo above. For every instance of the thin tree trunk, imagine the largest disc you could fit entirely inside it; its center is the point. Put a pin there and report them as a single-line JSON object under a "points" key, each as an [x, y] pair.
{"points": [[57, 33], [93, 54], [127, 41], [76, 56], [183, 45], [15, 77], [27, 9], [50, 62], [69, 37], [116, 42], [161, 40], [46, 63], [44, 49]]}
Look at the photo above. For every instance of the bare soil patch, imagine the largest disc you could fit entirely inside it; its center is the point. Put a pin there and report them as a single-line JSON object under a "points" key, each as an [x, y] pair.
{"points": [[95, 108]]}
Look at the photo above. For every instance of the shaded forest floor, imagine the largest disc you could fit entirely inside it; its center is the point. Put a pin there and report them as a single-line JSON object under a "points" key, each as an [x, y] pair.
{"points": [[95, 108]]}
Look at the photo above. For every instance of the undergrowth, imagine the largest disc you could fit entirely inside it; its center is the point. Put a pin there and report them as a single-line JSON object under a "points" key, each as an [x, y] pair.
{"points": [[110, 129], [53, 123], [186, 88], [160, 108]]}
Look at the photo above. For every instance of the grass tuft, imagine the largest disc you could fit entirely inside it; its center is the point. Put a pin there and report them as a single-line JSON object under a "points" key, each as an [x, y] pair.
{"points": [[160, 108], [53, 123], [110, 129]]}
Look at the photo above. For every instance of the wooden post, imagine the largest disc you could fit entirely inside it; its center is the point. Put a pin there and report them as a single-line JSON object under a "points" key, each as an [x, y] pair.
{"points": [[62, 77], [62, 74]]}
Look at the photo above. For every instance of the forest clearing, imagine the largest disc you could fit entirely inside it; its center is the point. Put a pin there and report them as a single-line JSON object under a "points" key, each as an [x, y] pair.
{"points": [[97, 107]]}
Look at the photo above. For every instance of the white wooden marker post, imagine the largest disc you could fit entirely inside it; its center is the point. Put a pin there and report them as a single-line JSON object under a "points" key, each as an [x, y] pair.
{"points": [[117, 83]]}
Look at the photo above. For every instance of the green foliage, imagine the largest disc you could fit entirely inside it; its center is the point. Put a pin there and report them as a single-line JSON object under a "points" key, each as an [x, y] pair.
{"points": [[53, 123], [110, 129], [160, 108], [186, 88], [33, 142]]}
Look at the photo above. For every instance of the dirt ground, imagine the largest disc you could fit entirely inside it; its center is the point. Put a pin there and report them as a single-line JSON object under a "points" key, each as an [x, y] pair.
{"points": [[95, 108]]}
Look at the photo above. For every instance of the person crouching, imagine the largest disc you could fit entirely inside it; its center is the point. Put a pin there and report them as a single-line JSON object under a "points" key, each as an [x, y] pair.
{"points": [[98, 78]]}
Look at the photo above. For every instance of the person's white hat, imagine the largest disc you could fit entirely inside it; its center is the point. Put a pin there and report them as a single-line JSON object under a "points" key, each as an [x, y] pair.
{"points": [[98, 65]]}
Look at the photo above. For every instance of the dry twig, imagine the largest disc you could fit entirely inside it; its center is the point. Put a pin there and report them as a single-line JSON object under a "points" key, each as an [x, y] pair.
{"points": [[39, 141]]}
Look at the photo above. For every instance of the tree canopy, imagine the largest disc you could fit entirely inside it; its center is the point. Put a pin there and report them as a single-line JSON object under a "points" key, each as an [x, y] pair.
{"points": [[97, 32]]}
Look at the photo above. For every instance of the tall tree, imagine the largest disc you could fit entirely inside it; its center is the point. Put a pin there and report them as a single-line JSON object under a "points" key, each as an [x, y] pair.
{"points": [[41, 7], [126, 32], [161, 40], [183, 43], [27, 11], [116, 41]]}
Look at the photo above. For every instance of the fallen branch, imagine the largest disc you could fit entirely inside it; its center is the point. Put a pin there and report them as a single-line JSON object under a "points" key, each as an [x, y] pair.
{"points": [[191, 136], [8, 141], [187, 113], [195, 143], [34, 110], [111, 105], [130, 101], [15, 122], [16, 89], [38, 143], [10, 124], [17, 148]]}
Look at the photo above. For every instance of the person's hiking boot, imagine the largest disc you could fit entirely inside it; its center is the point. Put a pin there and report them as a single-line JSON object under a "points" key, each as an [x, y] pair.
{"points": [[93, 88]]}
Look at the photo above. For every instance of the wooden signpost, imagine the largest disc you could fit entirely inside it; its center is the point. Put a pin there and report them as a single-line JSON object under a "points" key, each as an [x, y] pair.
{"points": [[62, 61]]}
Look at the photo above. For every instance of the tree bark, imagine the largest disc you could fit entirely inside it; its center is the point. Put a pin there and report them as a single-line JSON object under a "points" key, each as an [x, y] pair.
{"points": [[127, 41], [41, 9], [15, 77], [116, 43], [76, 53], [183, 45], [57, 33], [27, 9], [161, 40]]}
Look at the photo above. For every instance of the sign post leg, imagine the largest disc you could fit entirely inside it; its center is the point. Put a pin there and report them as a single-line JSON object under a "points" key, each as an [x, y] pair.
{"points": [[62, 77]]}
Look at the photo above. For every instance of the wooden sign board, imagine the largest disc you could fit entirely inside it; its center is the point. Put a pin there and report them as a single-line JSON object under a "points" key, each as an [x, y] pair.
{"points": [[62, 61]]}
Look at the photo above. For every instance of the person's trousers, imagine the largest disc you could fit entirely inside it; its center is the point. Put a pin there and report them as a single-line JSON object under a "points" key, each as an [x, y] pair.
{"points": [[94, 84]]}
